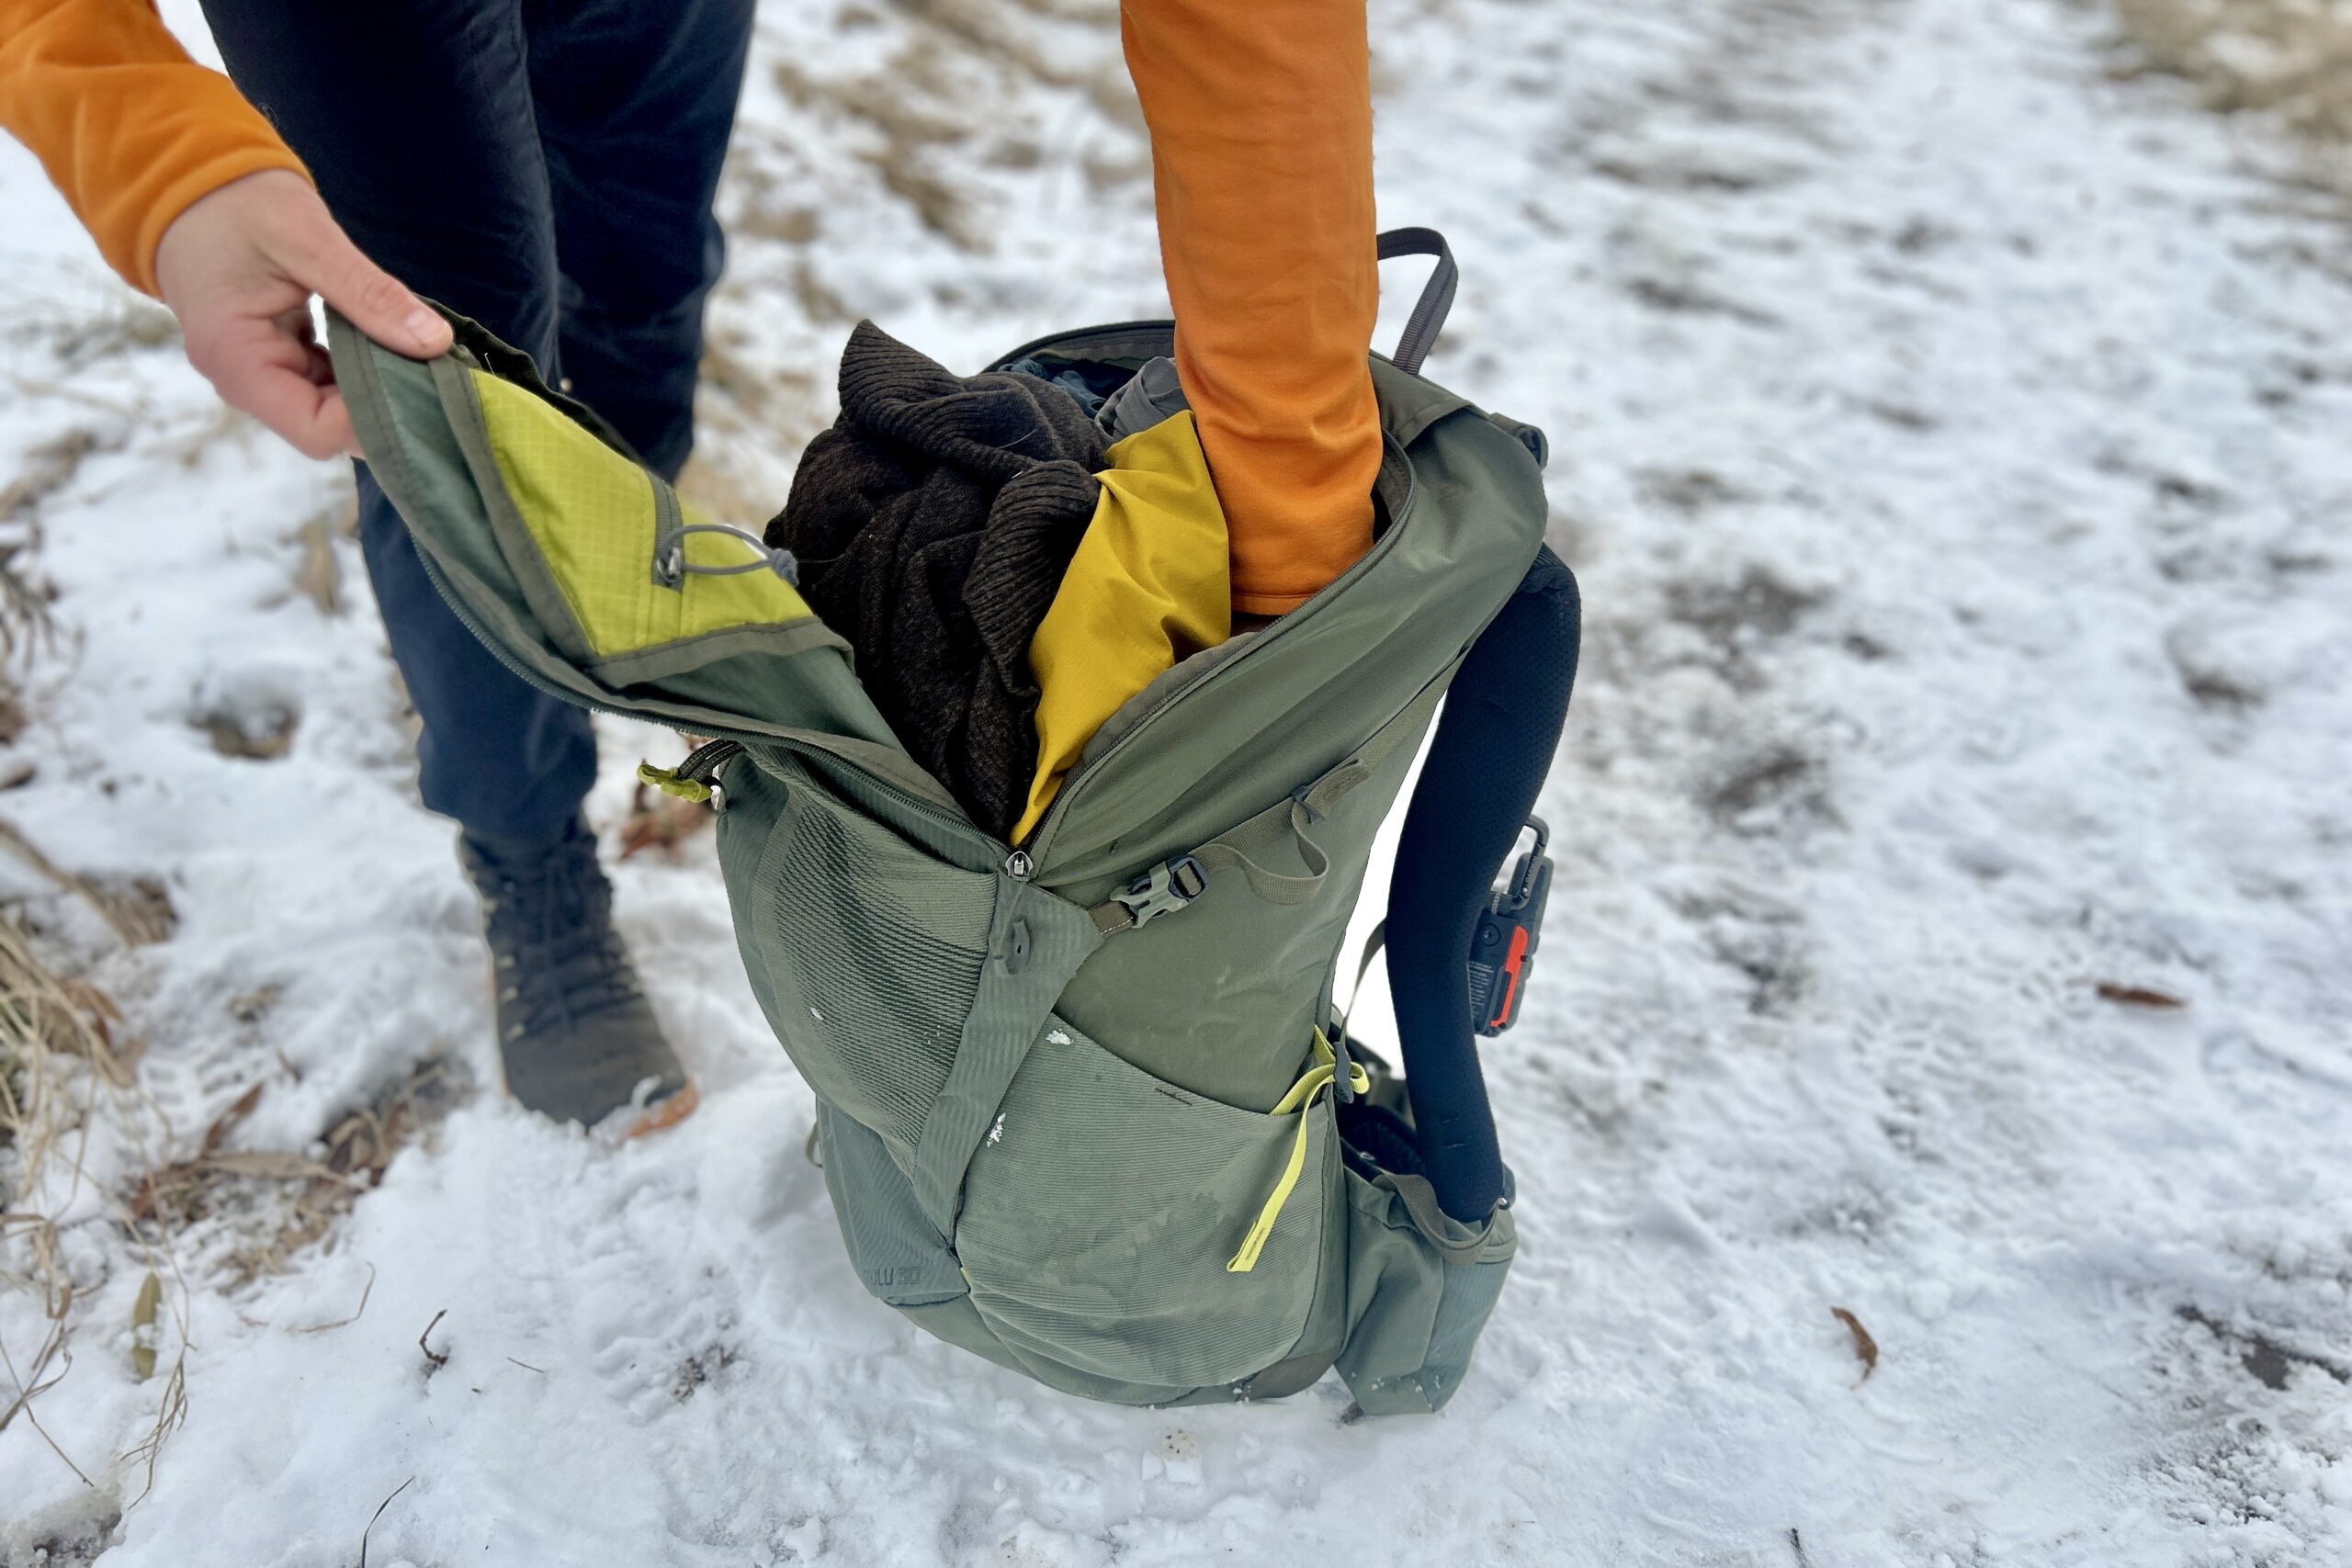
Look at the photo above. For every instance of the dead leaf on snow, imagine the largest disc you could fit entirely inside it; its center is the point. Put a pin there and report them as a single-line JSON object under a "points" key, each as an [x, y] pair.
{"points": [[1865, 1348], [142, 1326], [269, 1165], [2138, 996], [256, 736], [226, 1122], [662, 822]]}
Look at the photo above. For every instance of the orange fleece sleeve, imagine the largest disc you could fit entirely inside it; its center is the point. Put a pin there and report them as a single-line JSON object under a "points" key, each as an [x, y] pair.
{"points": [[1260, 119], [129, 129]]}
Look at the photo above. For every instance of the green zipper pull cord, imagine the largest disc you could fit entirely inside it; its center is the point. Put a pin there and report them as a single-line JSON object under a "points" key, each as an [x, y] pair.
{"points": [[667, 781], [694, 779]]}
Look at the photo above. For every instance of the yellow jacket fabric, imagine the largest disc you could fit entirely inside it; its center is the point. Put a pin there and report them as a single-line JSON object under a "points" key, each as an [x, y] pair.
{"points": [[1261, 121], [1146, 588]]}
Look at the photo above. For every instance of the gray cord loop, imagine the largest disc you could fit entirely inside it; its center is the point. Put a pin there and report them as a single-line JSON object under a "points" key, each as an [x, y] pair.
{"points": [[779, 561], [1437, 295]]}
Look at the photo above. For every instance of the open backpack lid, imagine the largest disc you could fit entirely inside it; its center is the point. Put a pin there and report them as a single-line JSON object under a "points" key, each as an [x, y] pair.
{"points": [[583, 571], [586, 574]]}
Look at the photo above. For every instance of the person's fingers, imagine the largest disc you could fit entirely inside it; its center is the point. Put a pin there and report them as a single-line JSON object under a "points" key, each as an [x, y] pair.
{"points": [[324, 260], [334, 425], [238, 268], [310, 417], [260, 368], [311, 360]]}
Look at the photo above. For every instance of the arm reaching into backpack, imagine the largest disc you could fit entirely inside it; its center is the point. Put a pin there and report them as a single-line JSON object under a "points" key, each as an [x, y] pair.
{"points": [[193, 198], [1261, 121]]}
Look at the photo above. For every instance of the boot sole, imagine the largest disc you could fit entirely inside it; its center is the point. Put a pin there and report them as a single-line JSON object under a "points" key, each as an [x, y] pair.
{"points": [[667, 1111]]}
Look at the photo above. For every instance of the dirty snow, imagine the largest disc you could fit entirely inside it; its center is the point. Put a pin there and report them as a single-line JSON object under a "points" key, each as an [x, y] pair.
{"points": [[1950, 438]]}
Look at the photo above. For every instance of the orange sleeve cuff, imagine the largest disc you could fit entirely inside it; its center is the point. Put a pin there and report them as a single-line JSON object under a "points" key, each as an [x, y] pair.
{"points": [[1245, 603], [149, 212], [128, 127]]}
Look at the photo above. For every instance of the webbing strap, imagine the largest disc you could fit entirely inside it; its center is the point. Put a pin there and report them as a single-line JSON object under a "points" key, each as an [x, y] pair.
{"points": [[1036, 943], [1161, 890], [1232, 852], [1455, 1242], [1299, 1100], [1372, 943], [1437, 295], [1164, 889]]}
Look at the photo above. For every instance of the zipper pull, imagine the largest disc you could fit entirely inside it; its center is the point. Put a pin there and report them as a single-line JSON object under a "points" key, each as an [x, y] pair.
{"points": [[1019, 866], [694, 779]]}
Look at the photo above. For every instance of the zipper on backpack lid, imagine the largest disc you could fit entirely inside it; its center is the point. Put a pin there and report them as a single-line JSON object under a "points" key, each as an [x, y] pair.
{"points": [[704, 761], [1042, 840], [696, 778]]}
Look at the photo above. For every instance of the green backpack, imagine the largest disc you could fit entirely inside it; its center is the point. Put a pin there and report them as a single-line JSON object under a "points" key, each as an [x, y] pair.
{"points": [[1074, 1099]]}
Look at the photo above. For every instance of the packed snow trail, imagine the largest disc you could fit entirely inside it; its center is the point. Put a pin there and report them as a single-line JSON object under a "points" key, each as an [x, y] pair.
{"points": [[1950, 442]]}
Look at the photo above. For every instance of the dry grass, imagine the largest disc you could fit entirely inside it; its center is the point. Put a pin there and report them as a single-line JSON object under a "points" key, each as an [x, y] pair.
{"points": [[58, 1050], [742, 409], [26, 629], [86, 1152], [61, 1069], [894, 105], [277, 1202], [126, 326], [138, 912], [65, 1068], [51, 467], [919, 103], [63, 1072], [318, 575], [2290, 58]]}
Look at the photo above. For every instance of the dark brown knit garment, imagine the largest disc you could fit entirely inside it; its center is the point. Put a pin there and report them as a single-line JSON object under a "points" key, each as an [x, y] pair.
{"points": [[933, 524]]}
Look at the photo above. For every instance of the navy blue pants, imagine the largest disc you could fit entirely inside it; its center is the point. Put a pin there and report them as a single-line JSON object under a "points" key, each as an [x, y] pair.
{"points": [[546, 167]]}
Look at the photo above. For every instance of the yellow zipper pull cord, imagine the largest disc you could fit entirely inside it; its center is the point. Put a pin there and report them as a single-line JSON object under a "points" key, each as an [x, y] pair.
{"points": [[669, 783], [1300, 1100]]}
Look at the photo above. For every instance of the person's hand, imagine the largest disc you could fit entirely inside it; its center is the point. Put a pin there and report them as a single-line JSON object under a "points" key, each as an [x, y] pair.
{"points": [[238, 268]]}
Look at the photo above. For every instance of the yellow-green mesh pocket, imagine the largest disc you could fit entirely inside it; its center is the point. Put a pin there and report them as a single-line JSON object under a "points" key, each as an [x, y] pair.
{"points": [[597, 520]]}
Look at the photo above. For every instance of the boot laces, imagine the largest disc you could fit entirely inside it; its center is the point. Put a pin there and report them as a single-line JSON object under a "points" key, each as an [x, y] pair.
{"points": [[549, 925]]}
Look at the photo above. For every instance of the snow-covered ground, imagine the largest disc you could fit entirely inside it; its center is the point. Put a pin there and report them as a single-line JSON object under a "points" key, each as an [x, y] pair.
{"points": [[1952, 439]]}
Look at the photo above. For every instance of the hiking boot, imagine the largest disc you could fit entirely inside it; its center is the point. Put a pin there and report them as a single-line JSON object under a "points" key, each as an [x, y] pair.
{"points": [[579, 1042]]}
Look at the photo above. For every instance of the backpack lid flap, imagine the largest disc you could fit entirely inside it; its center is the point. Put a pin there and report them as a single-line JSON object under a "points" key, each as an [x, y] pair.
{"points": [[581, 569]]}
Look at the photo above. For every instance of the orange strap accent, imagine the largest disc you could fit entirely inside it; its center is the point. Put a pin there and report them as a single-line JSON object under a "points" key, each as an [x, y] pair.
{"points": [[1514, 966]]}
